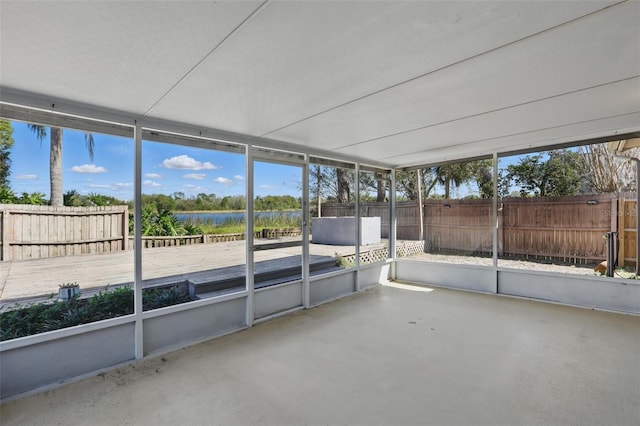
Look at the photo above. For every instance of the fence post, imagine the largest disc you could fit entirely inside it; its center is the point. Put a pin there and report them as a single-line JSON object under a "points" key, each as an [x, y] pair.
{"points": [[5, 235], [622, 223], [125, 229], [501, 207]]}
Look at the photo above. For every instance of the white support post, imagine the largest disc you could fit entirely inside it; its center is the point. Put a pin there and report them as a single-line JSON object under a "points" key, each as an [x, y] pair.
{"points": [[137, 238], [306, 291], [249, 243], [637, 161], [393, 218], [358, 227], [495, 228]]}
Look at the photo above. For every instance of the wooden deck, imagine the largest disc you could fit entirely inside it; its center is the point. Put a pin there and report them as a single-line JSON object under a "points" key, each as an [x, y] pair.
{"points": [[39, 278]]}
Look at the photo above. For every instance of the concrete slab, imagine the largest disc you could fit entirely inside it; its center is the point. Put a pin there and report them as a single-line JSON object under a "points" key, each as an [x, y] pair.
{"points": [[392, 355]]}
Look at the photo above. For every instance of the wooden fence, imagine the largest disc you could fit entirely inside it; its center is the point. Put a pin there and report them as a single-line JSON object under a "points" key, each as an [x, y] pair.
{"points": [[33, 232], [458, 226], [568, 229]]}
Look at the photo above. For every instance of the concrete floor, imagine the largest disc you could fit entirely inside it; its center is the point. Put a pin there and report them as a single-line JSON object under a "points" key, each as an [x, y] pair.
{"points": [[391, 355]]}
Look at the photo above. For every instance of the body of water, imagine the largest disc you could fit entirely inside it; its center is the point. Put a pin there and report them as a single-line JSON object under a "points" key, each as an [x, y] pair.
{"points": [[217, 218]]}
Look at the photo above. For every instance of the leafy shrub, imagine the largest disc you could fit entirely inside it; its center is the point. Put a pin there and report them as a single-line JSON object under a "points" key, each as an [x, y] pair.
{"points": [[161, 297], [21, 321], [7, 196], [161, 224], [191, 228]]}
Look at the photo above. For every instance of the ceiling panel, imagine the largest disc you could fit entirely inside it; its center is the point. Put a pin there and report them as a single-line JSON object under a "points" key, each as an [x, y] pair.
{"points": [[425, 145], [297, 59], [394, 82], [121, 55], [539, 139], [573, 57]]}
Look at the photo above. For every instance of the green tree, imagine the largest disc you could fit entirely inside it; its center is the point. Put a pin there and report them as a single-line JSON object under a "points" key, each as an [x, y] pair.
{"points": [[72, 198], [331, 183], [481, 172], [555, 173], [453, 174], [55, 158], [376, 183], [343, 180], [407, 183], [6, 142]]}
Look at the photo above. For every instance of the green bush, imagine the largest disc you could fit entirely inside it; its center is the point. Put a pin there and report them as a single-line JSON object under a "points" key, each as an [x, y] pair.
{"points": [[21, 321], [161, 297]]}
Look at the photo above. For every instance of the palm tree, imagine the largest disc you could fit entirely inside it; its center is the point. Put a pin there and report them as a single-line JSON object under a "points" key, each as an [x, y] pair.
{"points": [[455, 174], [55, 158]]}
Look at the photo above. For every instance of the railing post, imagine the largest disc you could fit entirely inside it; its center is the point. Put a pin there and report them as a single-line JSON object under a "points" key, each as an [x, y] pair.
{"points": [[137, 235]]}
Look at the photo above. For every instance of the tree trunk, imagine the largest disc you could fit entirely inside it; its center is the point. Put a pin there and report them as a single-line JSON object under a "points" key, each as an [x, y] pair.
{"points": [[319, 191], [344, 192], [55, 167], [382, 190]]}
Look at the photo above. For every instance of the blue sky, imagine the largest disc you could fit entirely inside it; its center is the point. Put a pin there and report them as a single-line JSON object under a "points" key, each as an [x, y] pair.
{"points": [[166, 168]]}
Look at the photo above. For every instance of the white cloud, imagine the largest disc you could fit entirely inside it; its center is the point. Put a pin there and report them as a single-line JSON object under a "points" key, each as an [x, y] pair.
{"points": [[194, 188], [266, 186], [195, 176], [27, 177], [184, 162], [223, 180], [121, 185], [152, 184], [238, 177], [88, 168], [153, 175], [113, 186]]}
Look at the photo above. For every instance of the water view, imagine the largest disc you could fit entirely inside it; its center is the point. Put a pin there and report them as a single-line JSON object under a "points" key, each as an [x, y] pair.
{"points": [[216, 218]]}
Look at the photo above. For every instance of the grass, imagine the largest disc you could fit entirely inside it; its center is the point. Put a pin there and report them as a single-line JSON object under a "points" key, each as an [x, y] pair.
{"points": [[237, 226]]}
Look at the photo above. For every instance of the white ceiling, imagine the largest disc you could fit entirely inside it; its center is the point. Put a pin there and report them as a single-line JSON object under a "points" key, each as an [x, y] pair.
{"points": [[394, 83]]}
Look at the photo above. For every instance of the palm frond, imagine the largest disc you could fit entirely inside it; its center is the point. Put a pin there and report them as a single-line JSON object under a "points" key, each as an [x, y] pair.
{"points": [[39, 130], [90, 143]]}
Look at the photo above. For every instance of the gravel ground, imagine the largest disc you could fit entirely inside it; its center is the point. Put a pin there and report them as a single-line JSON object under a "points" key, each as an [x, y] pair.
{"points": [[515, 264]]}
